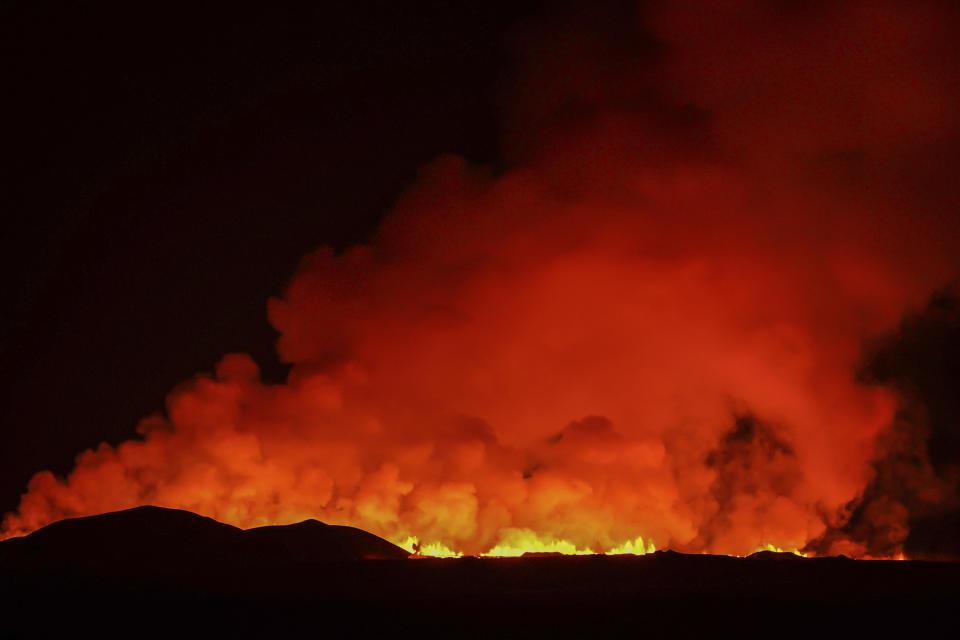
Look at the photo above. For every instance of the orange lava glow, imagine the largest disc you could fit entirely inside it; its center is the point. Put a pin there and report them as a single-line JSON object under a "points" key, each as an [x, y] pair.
{"points": [[518, 542], [642, 335], [770, 547]]}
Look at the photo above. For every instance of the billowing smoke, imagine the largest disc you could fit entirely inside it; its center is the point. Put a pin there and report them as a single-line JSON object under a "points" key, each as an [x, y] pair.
{"points": [[917, 478], [649, 325]]}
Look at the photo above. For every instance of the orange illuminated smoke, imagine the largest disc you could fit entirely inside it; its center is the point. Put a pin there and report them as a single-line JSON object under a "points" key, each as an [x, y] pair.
{"points": [[642, 336]]}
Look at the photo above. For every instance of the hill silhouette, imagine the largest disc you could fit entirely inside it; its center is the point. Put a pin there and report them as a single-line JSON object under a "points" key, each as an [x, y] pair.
{"points": [[314, 541], [154, 541], [774, 555]]}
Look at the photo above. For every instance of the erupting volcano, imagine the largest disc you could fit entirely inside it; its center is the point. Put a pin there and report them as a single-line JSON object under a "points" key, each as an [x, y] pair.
{"points": [[673, 317]]}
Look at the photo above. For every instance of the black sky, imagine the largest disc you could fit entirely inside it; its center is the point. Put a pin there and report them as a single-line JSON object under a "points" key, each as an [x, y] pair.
{"points": [[168, 165]]}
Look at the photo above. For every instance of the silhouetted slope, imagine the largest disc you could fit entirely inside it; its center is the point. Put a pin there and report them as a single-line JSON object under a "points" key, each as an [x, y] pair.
{"points": [[142, 539], [774, 556], [314, 541], [155, 541]]}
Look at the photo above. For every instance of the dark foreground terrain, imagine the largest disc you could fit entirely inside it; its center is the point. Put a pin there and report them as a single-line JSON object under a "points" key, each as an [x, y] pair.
{"points": [[153, 572]]}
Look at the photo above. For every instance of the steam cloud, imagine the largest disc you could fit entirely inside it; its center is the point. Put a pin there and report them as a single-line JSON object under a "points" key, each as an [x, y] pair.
{"points": [[649, 325]]}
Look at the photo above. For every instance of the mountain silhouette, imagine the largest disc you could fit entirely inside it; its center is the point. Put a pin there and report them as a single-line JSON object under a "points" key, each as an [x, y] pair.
{"points": [[152, 540], [768, 555], [314, 541]]}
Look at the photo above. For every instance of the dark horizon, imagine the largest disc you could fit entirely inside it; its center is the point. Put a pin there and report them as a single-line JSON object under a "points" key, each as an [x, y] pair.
{"points": [[160, 571]]}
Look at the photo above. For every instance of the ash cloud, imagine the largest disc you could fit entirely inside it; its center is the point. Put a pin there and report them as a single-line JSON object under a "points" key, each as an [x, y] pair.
{"points": [[912, 502], [756, 474], [705, 210]]}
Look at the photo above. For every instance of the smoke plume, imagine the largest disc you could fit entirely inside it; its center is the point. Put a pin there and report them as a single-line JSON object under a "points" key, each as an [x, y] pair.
{"points": [[648, 325]]}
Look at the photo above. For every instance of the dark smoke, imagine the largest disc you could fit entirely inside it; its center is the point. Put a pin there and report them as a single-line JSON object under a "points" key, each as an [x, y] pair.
{"points": [[913, 501]]}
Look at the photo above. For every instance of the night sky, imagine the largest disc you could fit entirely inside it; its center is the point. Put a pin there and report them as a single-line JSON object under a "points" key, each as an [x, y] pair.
{"points": [[171, 163]]}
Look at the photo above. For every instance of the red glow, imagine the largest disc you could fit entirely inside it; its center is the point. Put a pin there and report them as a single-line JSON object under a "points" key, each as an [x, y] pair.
{"points": [[564, 350]]}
